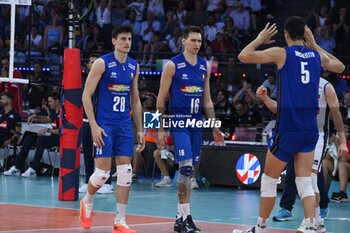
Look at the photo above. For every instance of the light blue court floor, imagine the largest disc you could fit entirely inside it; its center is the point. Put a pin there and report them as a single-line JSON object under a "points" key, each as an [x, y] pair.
{"points": [[213, 205]]}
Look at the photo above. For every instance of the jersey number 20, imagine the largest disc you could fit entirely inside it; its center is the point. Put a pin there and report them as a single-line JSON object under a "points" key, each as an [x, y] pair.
{"points": [[119, 104], [305, 74]]}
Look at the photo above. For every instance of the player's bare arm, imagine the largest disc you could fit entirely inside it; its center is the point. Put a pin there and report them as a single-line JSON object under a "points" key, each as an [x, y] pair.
{"points": [[276, 55], [333, 104], [136, 108], [271, 104], [328, 61], [209, 108], [165, 83], [92, 81]]}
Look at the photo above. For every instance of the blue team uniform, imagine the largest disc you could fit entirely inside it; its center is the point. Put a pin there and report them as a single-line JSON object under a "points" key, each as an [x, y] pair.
{"points": [[186, 104], [297, 103], [112, 107]]}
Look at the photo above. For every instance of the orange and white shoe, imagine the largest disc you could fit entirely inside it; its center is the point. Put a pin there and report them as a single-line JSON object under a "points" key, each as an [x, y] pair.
{"points": [[85, 216], [121, 227]]}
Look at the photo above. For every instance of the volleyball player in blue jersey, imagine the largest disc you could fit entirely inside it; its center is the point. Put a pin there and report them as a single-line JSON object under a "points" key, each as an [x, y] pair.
{"points": [[295, 135], [186, 77], [113, 83]]}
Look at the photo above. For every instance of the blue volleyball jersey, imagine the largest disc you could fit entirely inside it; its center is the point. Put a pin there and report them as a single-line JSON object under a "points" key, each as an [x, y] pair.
{"points": [[112, 105], [297, 89], [187, 88]]}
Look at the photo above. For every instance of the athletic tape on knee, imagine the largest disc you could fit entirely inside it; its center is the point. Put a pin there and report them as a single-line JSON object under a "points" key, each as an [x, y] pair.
{"points": [[124, 175], [304, 186], [268, 186], [185, 171], [99, 177], [314, 182]]}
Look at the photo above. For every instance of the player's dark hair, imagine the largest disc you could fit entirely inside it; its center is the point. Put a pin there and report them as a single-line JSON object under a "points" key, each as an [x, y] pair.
{"points": [[9, 95], [241, 102], [190, 29], [54, 95], [121, 29], [294, 25]]}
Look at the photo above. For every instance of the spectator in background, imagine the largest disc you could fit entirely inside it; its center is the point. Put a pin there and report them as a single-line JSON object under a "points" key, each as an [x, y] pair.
{"points": [[93, 40], [241, 20], [154, 45], [341, 28], [138, 7], [131, 21], [36, 44], [171, 24], [14, 88], [41, 140], [53, 39], [260, 107], [324, 40], [10, 127], [254, 9], [347, 105], [221, 44], [270, 83], [151, 139], [181, 14], [198, 17], [148, 26], [246, 117], [339, 84], [212, 5], [175, 42], [245, 93], [229, 73], [231, 31], [163, 157], [103, 13], [210, 30], [33, 92], [157, 7], [322, 17], [224, 110], [118, 12]]}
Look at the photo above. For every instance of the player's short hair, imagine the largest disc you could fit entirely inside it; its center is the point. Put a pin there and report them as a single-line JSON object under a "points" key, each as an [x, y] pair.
{"points": [[54, 96], [121, 29], [190, 29], [8, 95], [294, 25], [241, 102], [93, 55]]}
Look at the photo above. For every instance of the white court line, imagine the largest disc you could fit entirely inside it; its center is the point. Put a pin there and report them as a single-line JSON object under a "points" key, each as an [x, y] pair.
{"points": [[80, 228], [138, 215]]}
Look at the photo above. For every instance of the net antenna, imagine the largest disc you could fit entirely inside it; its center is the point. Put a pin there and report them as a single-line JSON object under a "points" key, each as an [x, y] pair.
{"points": [[13, 4]]}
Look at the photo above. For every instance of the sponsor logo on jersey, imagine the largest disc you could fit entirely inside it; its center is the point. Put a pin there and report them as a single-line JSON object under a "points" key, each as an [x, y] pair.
{"points": [[181, 65], [118, 87], [114, 75], [202, 67], [11, 116], [191, 89], [112, 64], [184, 76], [131, 66], [3, 125], [248, 168]]}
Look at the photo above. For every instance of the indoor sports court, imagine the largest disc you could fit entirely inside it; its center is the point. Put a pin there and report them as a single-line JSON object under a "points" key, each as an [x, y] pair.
{"points": [[31, 205]]}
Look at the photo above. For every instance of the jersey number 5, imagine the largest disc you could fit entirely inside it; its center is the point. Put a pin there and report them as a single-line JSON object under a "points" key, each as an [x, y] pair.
{"points": [[305, 74], [119, 104]]}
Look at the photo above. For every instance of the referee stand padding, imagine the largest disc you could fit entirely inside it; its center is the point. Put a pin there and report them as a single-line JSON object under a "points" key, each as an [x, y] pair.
{"points": [[71, 121]]}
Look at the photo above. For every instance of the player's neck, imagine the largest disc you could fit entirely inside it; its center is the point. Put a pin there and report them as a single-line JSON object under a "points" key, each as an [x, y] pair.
{"points": [[121, 57], [7, 109], [190, 57], [297, 42]]}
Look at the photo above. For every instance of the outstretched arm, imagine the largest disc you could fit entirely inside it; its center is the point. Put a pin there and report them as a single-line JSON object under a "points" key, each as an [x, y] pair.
{"points": [[271, 104], [333, 104], [276, 55]]}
